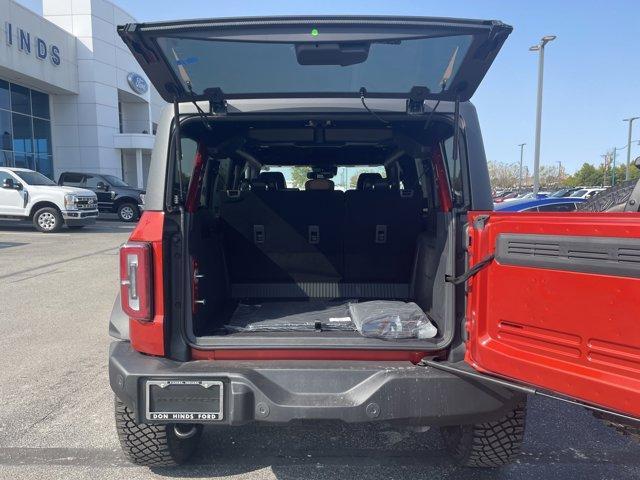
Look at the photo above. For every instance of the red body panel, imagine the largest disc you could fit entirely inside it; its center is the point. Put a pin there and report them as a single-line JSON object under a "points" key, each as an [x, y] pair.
{"points": [[577, 334], [301, 354], [148, 337]]}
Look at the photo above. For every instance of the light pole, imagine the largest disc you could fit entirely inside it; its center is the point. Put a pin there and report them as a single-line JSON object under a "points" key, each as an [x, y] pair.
{"points": [[559, 172], [630, 120], [613, 173], [605, 158], [520, 174], [536, 160]]}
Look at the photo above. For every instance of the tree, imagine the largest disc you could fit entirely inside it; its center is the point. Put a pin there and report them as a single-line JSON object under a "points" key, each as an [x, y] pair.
{"points": [[549, 175], [621, 171], [299, 176], [353, 181], [504, 175], [588, 175]]}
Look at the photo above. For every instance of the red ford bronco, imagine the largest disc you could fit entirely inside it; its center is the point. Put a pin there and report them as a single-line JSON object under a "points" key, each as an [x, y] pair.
{"points": [[249, 295]]}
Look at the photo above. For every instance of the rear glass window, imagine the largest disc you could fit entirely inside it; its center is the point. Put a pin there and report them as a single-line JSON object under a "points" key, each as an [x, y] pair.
{"points": [[454, 169], [263, 67], [189, 147], [346, 178], [72, 179]]}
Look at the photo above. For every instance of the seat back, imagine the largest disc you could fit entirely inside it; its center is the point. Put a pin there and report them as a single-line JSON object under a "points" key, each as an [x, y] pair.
{"points": [[382, 225], [321, 236], [283, 236]]}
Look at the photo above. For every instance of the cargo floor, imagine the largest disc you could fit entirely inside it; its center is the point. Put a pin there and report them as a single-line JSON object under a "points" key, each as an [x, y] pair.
{"points": [[296, 316]]}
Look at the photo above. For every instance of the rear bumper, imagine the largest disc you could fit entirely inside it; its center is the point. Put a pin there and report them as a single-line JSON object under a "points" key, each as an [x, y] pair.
{"points": [[282, 391]]}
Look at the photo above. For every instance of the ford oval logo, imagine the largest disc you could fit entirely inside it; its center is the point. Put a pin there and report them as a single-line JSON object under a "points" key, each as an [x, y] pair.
{"points": [[137, 83]]}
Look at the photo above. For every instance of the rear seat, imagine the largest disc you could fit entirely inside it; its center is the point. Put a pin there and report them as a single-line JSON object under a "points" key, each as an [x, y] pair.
{"points": [[282, 236], [382, 225], [276, 236]]}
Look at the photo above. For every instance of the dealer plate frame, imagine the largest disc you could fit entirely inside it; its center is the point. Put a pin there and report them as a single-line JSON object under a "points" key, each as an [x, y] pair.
{"points": [[184, 416]]}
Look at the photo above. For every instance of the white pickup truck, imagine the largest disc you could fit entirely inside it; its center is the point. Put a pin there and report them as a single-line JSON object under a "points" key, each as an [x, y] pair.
{"points": [[26, 194]]}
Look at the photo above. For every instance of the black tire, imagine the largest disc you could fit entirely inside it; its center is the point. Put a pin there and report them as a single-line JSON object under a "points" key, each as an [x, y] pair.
{"points": [[152, 445], [47, 220], [75, 227], [613, 199], [490, 444], [128, 212]]}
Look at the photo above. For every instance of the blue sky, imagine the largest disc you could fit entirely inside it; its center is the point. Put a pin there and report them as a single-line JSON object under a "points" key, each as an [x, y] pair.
{"points": [[592, 70]]}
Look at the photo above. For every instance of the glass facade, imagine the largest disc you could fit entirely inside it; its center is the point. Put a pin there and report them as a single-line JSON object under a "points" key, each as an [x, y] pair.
{"points": [[25, 126]]}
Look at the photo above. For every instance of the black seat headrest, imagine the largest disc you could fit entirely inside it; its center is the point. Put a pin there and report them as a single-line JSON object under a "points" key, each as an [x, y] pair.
{"points": [[381, 185], [258, 184], [366, 181], [275, 180], [319, 184]]}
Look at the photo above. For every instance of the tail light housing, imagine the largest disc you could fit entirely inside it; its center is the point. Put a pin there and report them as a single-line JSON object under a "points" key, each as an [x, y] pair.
{"points": [[136, 276]]}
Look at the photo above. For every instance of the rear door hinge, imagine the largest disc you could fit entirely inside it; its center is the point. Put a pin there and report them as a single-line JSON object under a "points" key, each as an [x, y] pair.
{"points": [[416, 100], [217, 102], [471, 272], [464, 370], [480, 222]]}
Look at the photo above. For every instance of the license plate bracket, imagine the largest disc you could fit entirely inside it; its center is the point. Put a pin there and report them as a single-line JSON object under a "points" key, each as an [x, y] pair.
{"points": [[175, 401]]}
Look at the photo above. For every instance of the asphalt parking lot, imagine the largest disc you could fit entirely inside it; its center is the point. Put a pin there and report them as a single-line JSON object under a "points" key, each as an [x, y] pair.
{"points": [[56, 420]]}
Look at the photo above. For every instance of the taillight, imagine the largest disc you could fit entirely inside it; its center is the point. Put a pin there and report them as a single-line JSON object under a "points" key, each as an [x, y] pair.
{"points": [[135, 280]]}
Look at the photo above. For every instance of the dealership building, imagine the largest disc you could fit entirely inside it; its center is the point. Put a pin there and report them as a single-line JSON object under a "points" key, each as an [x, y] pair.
{"points": [[72, 97]]}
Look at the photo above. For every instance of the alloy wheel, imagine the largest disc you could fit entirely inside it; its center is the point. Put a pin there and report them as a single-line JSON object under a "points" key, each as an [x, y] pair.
{"points": [[47, 221], [127, 213]]}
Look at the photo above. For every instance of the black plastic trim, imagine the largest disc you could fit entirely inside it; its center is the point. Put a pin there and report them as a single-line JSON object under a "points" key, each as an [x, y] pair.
{"points": [[633, 204], [118, 321], [600, 255], [278, 392]]}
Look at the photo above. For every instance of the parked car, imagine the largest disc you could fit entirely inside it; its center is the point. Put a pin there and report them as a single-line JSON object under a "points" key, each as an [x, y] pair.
{"points": [[622, 197], [548, 204], [503, 197], [26, 194], [239, 296], [587, 193], [526, 196], [565, 192], [114, 194]]}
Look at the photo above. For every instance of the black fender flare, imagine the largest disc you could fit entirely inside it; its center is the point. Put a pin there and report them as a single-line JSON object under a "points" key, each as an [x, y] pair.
{"points": [[119, 321]]}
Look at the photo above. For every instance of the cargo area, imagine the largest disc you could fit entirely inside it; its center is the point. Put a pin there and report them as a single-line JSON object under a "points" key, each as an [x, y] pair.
{"points": [[279, 261]]}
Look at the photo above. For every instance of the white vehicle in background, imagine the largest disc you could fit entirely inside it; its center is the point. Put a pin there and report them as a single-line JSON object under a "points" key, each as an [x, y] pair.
{"points": [[26, 194], [587, 192]]}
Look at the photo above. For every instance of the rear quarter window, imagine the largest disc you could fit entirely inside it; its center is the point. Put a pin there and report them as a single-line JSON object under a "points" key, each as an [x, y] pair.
{"points": [[71, 179], [454, 169], [188, 147]]}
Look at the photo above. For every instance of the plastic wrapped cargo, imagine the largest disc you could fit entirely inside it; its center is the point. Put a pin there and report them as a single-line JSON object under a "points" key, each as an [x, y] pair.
{"points": [[391, 320]]}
